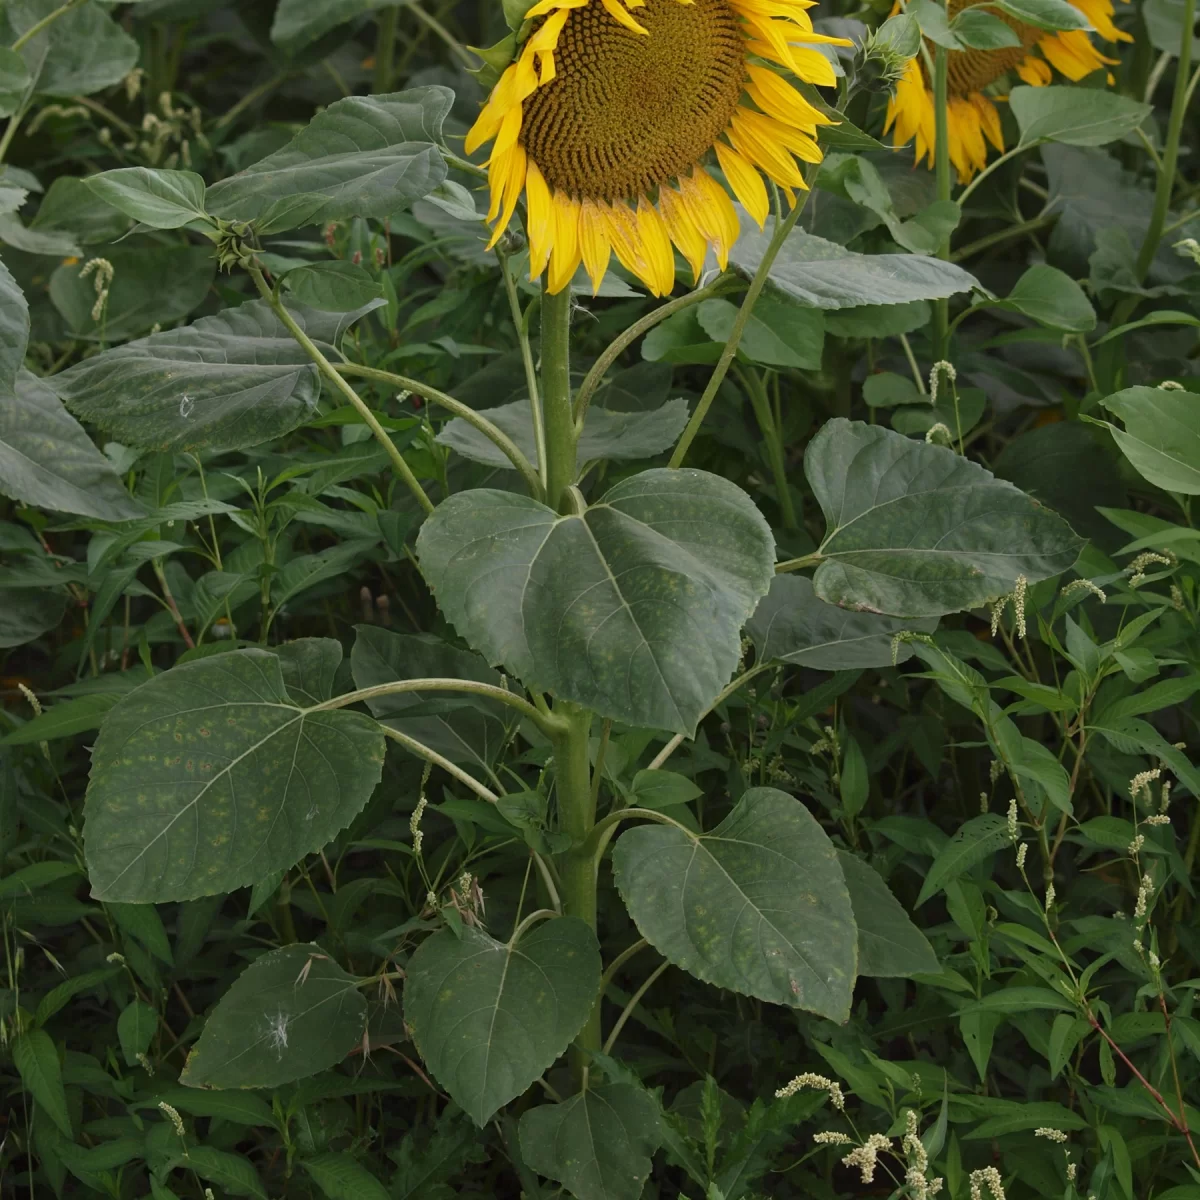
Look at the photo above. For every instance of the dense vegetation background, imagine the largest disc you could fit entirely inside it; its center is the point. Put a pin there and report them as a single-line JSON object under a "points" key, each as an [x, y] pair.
{"points": [[1020, 777]]}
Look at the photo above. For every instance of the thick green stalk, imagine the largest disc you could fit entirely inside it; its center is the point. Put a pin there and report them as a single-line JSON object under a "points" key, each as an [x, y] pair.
{"points": [[941, 308], [1170, 159], [561, 435], [385, 50], [577, 816]]}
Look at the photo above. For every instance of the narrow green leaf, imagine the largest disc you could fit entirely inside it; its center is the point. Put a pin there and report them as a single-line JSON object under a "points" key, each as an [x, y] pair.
{"points": [[340, 1176], [36, 1059], [135, 1030], [977, 839]]}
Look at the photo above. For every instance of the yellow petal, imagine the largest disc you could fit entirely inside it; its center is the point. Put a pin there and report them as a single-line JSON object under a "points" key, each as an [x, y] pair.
{"points": [[539, 219], [683, 230], [513, 182], [542, 7], [656, 243], [746, 182], [989, 120], [618, 12], [564, 254], [594, 246], [779, 99]]}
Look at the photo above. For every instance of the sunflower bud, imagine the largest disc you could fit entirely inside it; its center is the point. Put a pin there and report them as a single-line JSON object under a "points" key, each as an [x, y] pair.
{"points": [[885, 52]]}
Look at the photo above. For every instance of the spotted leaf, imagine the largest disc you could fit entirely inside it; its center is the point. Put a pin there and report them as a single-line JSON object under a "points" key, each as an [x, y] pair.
{"points": [[210, 776]]}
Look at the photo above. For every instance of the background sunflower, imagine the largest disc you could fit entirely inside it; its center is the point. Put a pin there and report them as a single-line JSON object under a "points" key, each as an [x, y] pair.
{"points": [[973, 120], [606, 121]]}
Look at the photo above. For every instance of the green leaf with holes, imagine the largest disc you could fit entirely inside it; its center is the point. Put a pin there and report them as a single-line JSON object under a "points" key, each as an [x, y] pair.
{"points": [[291, 1013], [210, 776], [489, 1017], [757, 905]]}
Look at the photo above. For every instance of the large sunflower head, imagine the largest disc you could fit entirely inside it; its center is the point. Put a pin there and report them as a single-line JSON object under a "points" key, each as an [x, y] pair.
{"points": [[973, 120], [613, 109]]}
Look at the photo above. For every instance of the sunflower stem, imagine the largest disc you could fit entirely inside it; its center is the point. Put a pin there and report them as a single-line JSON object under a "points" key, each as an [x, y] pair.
{"points": [[1170, 158], [561, 437], [782, 229], [577, 817], [941, 101], [521, 324], [385, 50], [329, 371]]}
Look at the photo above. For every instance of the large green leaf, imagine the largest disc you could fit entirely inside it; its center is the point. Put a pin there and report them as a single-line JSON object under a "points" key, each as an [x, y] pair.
{"points": [[298, 23], [364, 156], [825, 275], [889, 944], [152, 285], [465, 728], [1161, 437], [210, 776], [915, 530], [291, 1013], [27, 614], [1053, 298], [224, 382], [1076, 116], [794, 625], [597, 1144], [489, 1017], [82, 51], [606, 434], [14, 329], [633, 608], [757, 905]]}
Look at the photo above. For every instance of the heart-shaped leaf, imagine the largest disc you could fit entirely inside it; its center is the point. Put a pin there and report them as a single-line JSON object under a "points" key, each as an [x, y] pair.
{"points": [[489, 1017], [757, 905], [915, 530], [224, 382], [291, 1013], [633, 608], [1161, 437], [794, 625], [597, 1144], [210, 776]]}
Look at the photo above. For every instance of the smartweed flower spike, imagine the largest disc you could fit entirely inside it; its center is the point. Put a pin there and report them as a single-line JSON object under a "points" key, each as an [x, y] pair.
{"points": [[866, 1156], [610, 109], [987, 1177], [817, 1082]]}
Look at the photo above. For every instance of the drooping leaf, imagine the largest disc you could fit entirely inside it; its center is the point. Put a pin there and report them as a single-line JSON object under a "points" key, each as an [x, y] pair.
{"points": [[465, 728], [489, 1017], [915, 530], [26, 614], [889, 944], [364, 156], [291, 1013], [794, 625], [14, 329], [1076, 116], [334, 286], [597, 1144], [757, 905], [225, 382], [158, 198], [209, 776], [1045, 14], [606, 434], [1161, 437], [825, 275], [633, 608]]}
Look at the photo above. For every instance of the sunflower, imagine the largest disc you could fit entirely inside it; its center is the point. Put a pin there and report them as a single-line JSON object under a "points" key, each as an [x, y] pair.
{"points": [[607, 118], [972, 117]]}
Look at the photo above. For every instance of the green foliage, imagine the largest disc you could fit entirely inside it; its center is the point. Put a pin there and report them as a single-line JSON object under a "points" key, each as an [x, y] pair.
{"points": [[457, 742]]}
